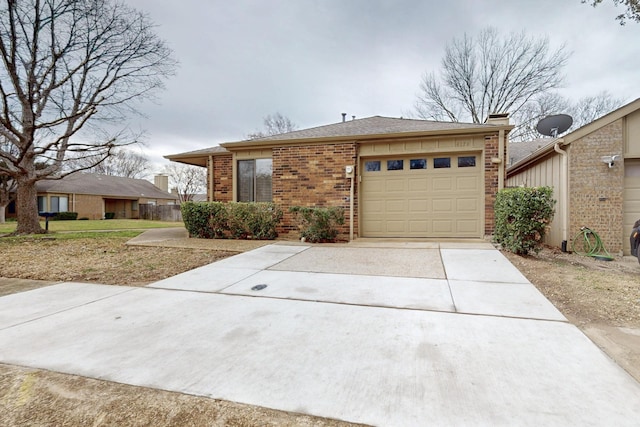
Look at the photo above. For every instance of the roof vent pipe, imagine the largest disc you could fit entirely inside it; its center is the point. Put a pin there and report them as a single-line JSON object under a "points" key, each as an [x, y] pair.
{"points": [[353, 117], [344, 117]]}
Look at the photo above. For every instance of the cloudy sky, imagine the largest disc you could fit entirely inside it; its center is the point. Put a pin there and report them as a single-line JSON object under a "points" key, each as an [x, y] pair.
{"points": [[311, 60]]}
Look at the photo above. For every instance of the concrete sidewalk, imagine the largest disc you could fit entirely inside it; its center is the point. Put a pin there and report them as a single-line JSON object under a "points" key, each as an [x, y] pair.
{"points": [[394, 334]]}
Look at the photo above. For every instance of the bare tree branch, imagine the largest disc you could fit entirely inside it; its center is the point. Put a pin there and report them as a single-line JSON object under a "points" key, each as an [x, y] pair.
{"points": [[274, 125], [69, 71], [186, 180], [489, 74]]}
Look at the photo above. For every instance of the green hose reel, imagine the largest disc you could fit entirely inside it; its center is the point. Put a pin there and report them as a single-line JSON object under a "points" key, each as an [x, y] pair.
{"points": [[588, 243]]}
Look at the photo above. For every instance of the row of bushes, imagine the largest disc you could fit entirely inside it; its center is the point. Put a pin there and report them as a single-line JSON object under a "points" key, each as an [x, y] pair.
{"points": [[216, 220]]}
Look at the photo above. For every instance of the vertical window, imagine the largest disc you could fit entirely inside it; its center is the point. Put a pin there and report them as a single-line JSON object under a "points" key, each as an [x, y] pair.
{"points": [[134, 205], [255, 180], [42, 204], [59, 204]]}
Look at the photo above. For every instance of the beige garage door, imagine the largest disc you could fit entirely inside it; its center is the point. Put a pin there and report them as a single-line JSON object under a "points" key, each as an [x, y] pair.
{"points": [[631, 199], [422, 196]]}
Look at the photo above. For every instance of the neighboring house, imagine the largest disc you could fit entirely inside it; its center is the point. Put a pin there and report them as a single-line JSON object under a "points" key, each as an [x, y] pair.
{"points": [[590, 191], [393, 177], [93, 195], [520, 150]]}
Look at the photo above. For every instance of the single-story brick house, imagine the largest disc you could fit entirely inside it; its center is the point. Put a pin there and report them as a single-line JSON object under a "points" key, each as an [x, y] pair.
{"points": [[393, 177], [590, 190], [92, 195]]}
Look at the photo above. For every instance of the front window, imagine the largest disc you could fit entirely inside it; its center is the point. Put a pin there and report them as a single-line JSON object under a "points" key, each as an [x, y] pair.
{"points": [[59, 204], [42, 204], [254, 180]]}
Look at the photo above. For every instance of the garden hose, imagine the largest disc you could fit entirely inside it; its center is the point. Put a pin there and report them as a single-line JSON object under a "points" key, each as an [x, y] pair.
{"points": [[588, 243]]}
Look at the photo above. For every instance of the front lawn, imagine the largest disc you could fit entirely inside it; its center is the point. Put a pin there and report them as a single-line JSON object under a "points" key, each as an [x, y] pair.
{"points": [[97, 225]]}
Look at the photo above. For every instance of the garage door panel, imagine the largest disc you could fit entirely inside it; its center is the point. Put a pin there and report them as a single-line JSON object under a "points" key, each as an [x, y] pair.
{"points": [[427, 202], [631, 199], [444, 183], [396, 184], [443, 206]]}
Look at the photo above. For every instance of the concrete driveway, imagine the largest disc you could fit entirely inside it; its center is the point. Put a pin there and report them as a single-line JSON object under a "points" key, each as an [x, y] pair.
{"points": [[394, 334]]}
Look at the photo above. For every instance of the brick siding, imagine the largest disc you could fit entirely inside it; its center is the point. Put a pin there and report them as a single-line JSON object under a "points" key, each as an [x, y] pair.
{"points": [[313, 175], [222, 178], [491, 171], [595, 190]]}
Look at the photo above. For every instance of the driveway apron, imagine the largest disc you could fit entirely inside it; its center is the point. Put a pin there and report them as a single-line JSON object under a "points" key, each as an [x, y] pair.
{"points": [[379, 333]]}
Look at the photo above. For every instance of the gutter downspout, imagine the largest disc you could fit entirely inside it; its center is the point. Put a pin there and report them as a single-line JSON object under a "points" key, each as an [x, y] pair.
{"points": [[563, 196], [211, 171], [501, 157], [351, 208]]}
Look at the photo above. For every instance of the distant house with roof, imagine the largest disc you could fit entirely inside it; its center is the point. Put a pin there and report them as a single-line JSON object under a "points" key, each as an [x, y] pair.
{"points": [[393, 177], [595, 174], [94, 195]]}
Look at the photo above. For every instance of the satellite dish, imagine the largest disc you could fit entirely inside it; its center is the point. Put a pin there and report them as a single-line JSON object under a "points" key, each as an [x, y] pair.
{"points": [[554, 125]]}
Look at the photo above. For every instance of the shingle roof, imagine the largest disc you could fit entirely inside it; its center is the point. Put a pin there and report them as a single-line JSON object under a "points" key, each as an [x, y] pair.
{"points": [[520, 150], [376, 125], [103, 185]]}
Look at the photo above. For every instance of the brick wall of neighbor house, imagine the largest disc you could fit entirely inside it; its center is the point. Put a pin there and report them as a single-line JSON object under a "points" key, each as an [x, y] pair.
{"points": [[491, 170], [313, 175], [223, 178], [595, 190], [87, 206]]}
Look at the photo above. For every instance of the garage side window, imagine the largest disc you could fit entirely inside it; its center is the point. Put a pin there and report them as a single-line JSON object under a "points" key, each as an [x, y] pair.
{"points": [[467, 162], [395, 165], [255, 180], [418, 164], [441, 162], [372, 166]]}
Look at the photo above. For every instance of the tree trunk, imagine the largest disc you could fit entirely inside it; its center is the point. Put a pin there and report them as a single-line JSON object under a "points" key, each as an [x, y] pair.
{"points": [[27, 207], [3, 210]]}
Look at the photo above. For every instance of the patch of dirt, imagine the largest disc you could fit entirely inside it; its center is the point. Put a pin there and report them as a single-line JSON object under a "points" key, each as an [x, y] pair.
{"points": [[106, 260], [584, 289], [32, 397]]}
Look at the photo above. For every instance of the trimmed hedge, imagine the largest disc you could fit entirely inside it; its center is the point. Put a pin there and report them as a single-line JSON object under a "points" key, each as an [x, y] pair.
{"points": [[216, 220], [109, 215], [318, 224], [65, 216], [522, 217]]}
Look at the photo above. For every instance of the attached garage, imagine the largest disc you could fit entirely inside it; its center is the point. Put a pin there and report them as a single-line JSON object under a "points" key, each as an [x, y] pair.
{"points": [[423, 196]]}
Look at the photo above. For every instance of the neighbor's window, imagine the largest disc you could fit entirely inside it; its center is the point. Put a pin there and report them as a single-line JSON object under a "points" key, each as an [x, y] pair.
{"points": [[42, 204], [372, 166], [467, 162], [418, 164], [134, 205], [442, 162], [395, 165], [59, 204], [254, 180]]}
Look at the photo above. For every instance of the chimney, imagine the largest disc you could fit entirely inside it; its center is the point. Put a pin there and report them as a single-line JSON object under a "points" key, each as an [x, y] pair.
{"points": [[498, 119], [344, 117], [353, 117], [162, 182]]}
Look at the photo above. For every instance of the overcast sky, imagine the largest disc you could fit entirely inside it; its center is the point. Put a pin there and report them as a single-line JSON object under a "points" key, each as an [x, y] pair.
{"points": [[311, 60]]}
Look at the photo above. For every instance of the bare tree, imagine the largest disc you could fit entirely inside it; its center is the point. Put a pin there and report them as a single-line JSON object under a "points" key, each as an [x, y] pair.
{"points": [[583, 111], [632, 12], [489, 74], [187, 180], [126, 163], [69, 66], [7, 194], [274, 125]]}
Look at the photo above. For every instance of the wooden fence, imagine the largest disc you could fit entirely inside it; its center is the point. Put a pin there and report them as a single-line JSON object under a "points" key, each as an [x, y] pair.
{"points": [[160, 212]]}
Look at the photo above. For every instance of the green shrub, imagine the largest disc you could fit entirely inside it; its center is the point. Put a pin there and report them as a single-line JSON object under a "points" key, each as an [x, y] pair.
{"points": [[215, 220], [84, 218], [318, 224], [65, 216], [109, 215], [522, 216]]}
